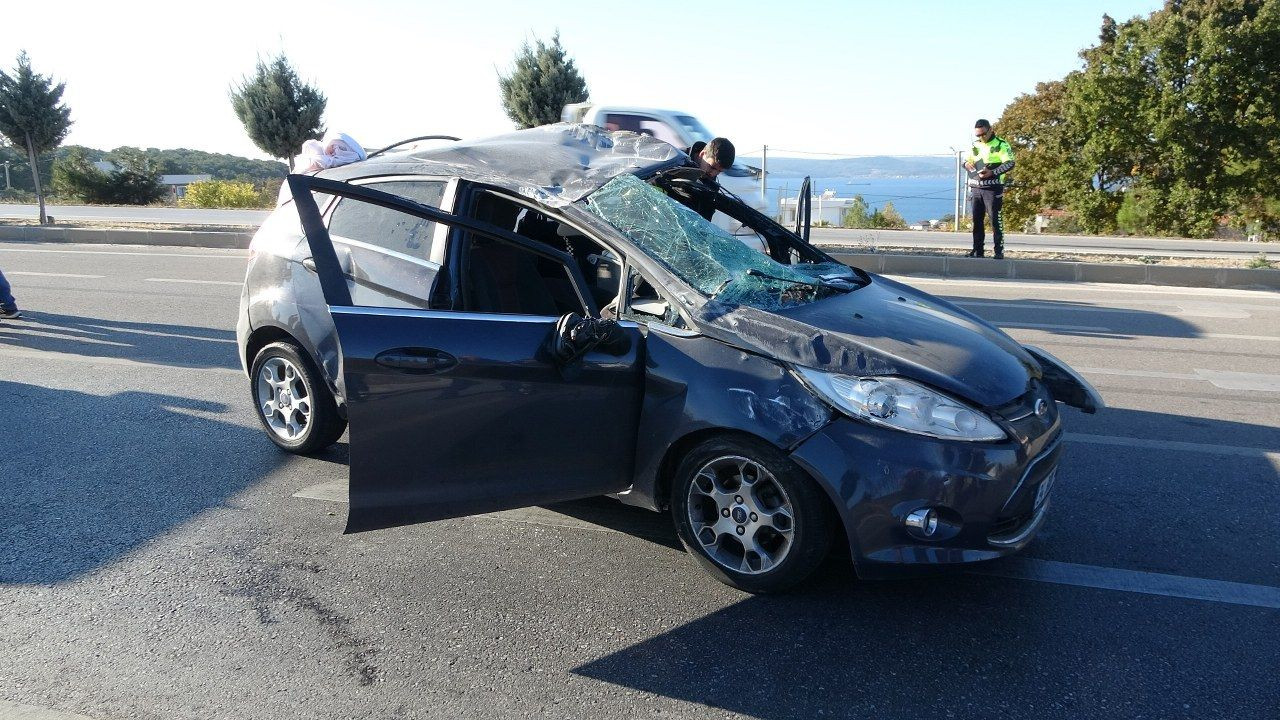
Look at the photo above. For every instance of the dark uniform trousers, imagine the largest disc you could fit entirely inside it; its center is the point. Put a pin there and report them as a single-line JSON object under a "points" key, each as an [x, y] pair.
{"points": [[986, 203]]}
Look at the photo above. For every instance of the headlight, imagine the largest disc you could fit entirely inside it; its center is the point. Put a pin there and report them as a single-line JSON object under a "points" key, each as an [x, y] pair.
{"points": [[902, 405]]}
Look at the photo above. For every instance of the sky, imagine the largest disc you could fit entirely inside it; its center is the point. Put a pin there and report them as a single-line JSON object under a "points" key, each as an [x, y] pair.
{"points": [[847, 78]]}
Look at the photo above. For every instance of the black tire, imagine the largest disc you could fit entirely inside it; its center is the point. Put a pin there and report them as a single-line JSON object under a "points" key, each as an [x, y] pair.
{"points": [[323, 425], [812, 527]]}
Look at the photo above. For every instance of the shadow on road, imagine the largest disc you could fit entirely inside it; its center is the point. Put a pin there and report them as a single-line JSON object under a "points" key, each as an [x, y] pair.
{"points": [[1065, 317], [176, 345], [956, 646], [87, 479]]}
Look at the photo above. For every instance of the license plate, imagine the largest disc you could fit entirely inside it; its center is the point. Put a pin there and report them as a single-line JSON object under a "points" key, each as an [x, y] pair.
{"points": [[1042, 492]]}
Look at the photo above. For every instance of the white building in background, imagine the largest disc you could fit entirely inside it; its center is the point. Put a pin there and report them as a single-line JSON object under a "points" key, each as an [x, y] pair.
{"points": [[175, 184], [826, 208]]}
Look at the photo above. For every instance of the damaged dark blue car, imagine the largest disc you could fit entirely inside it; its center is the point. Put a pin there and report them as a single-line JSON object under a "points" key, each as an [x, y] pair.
{"points": [[538, 317]]}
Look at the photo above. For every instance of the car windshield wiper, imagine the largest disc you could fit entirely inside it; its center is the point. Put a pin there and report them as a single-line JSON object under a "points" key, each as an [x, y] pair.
{"points": [[759, 273]]}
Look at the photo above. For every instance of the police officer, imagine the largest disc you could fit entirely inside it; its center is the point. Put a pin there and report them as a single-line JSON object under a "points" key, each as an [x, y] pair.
{"points": [[989, 160]]}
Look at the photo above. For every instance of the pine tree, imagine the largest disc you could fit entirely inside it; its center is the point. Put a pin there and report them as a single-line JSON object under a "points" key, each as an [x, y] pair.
{"points": [[278, 110], [543, 81], [32, 116]]}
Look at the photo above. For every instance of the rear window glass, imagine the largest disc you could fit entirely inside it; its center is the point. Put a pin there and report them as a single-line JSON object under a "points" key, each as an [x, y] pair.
{"points": [[390, 229]]}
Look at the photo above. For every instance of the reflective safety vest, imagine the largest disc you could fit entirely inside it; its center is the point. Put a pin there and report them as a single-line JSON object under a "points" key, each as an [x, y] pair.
{"points": [[994, 155]]}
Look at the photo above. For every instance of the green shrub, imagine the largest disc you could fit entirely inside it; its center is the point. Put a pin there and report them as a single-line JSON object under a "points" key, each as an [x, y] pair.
{"points": [[221, 194], [1261, 262], [136, 182], [1138, 212]]}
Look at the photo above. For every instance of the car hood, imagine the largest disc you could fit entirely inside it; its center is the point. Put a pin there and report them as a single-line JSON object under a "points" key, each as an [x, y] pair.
{"points": [[884, 328]]}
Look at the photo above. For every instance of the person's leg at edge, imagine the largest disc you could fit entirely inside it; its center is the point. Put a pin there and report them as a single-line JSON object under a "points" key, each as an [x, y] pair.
{"points": [[979, 215], [995, 203], [8, 306]]}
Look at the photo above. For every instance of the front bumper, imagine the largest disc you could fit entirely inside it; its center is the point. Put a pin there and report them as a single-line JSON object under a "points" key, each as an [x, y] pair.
{"points": [[991, 498]]}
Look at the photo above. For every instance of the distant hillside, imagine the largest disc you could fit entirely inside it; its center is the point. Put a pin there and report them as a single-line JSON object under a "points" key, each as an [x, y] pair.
{"points": [[858, 167], [171, 162]]}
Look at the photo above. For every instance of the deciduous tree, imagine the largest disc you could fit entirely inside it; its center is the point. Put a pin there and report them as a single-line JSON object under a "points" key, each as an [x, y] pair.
{"points": [[1171, 126]]}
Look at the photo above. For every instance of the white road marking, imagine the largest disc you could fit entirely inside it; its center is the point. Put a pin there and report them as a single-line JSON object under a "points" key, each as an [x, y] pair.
{"points": [[332, 491], [1199, 310], [197, 282], [1018, 568], [46, 355], [49, 331], [43, 274], [1069, 286], [1036, 305], [1128, 336], [1065, 328], [1137, 373], [156, 333], [1134, 581], [242, 256], [1225, 379], [1231, 336], [1177, 445]]}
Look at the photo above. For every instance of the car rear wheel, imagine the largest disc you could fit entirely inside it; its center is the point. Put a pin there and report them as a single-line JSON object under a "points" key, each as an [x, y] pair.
{"points": [[293, 402], [750, 515]]}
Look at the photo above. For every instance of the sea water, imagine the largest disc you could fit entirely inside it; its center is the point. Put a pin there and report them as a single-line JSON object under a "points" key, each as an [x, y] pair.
{"points": [[915, 198]]}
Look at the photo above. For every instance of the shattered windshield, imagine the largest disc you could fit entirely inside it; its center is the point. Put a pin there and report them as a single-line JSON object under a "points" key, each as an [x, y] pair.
{"points": [[707, 257]]}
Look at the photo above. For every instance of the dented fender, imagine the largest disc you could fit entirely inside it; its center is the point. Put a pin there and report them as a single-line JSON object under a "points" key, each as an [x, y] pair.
{"points": [[1066, 385], [695, 383]]}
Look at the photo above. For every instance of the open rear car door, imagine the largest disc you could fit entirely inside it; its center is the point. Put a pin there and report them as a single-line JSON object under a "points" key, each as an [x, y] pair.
{"points": [[455, 413]]}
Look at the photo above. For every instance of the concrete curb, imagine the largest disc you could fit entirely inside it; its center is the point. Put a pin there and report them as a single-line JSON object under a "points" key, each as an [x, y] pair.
{"points": [[99, 236], [949, 266]]}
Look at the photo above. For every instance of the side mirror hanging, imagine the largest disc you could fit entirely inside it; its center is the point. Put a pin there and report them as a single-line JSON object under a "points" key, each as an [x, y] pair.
{"points": [[575, 336]]}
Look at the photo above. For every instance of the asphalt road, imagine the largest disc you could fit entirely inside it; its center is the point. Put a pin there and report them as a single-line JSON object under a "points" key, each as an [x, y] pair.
{"points": [[158, 562], [1170, 247]]}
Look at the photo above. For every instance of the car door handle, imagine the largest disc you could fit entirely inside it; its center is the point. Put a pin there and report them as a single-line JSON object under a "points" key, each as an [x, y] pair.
{"points": [[343, 262], [416, 360]]}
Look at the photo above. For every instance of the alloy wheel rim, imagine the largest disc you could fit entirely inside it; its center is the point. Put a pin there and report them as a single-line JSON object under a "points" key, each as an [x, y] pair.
{"points": [[283, 399], [741, 515]]}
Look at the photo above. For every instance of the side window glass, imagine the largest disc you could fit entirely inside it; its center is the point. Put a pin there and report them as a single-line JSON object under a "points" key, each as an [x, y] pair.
{"points": [[645, 305], [362, 233], [389, 229], [504, 278]]}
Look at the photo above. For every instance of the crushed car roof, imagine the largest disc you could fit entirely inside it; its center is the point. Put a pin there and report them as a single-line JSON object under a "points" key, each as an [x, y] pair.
{"points": [[553, 164]]}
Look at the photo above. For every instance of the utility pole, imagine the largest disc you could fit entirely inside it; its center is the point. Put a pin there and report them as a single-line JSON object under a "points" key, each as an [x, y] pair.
{"points": [[7, 186], [764, 175], [959, 182]]}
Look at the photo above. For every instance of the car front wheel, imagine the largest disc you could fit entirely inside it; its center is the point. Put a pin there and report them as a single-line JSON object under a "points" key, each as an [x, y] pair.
{"points": [[750, 515], [294, 404]]}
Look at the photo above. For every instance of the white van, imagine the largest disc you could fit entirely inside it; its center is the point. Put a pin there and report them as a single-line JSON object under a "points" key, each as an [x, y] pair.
{"points": [[678, 128]]}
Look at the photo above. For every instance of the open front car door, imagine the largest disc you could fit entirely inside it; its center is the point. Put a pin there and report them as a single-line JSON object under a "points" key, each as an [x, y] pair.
{"points": [[459, 412]]}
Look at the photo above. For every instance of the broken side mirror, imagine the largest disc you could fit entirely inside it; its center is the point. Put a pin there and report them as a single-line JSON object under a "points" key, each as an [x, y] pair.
{"points": [[574, 336]]}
